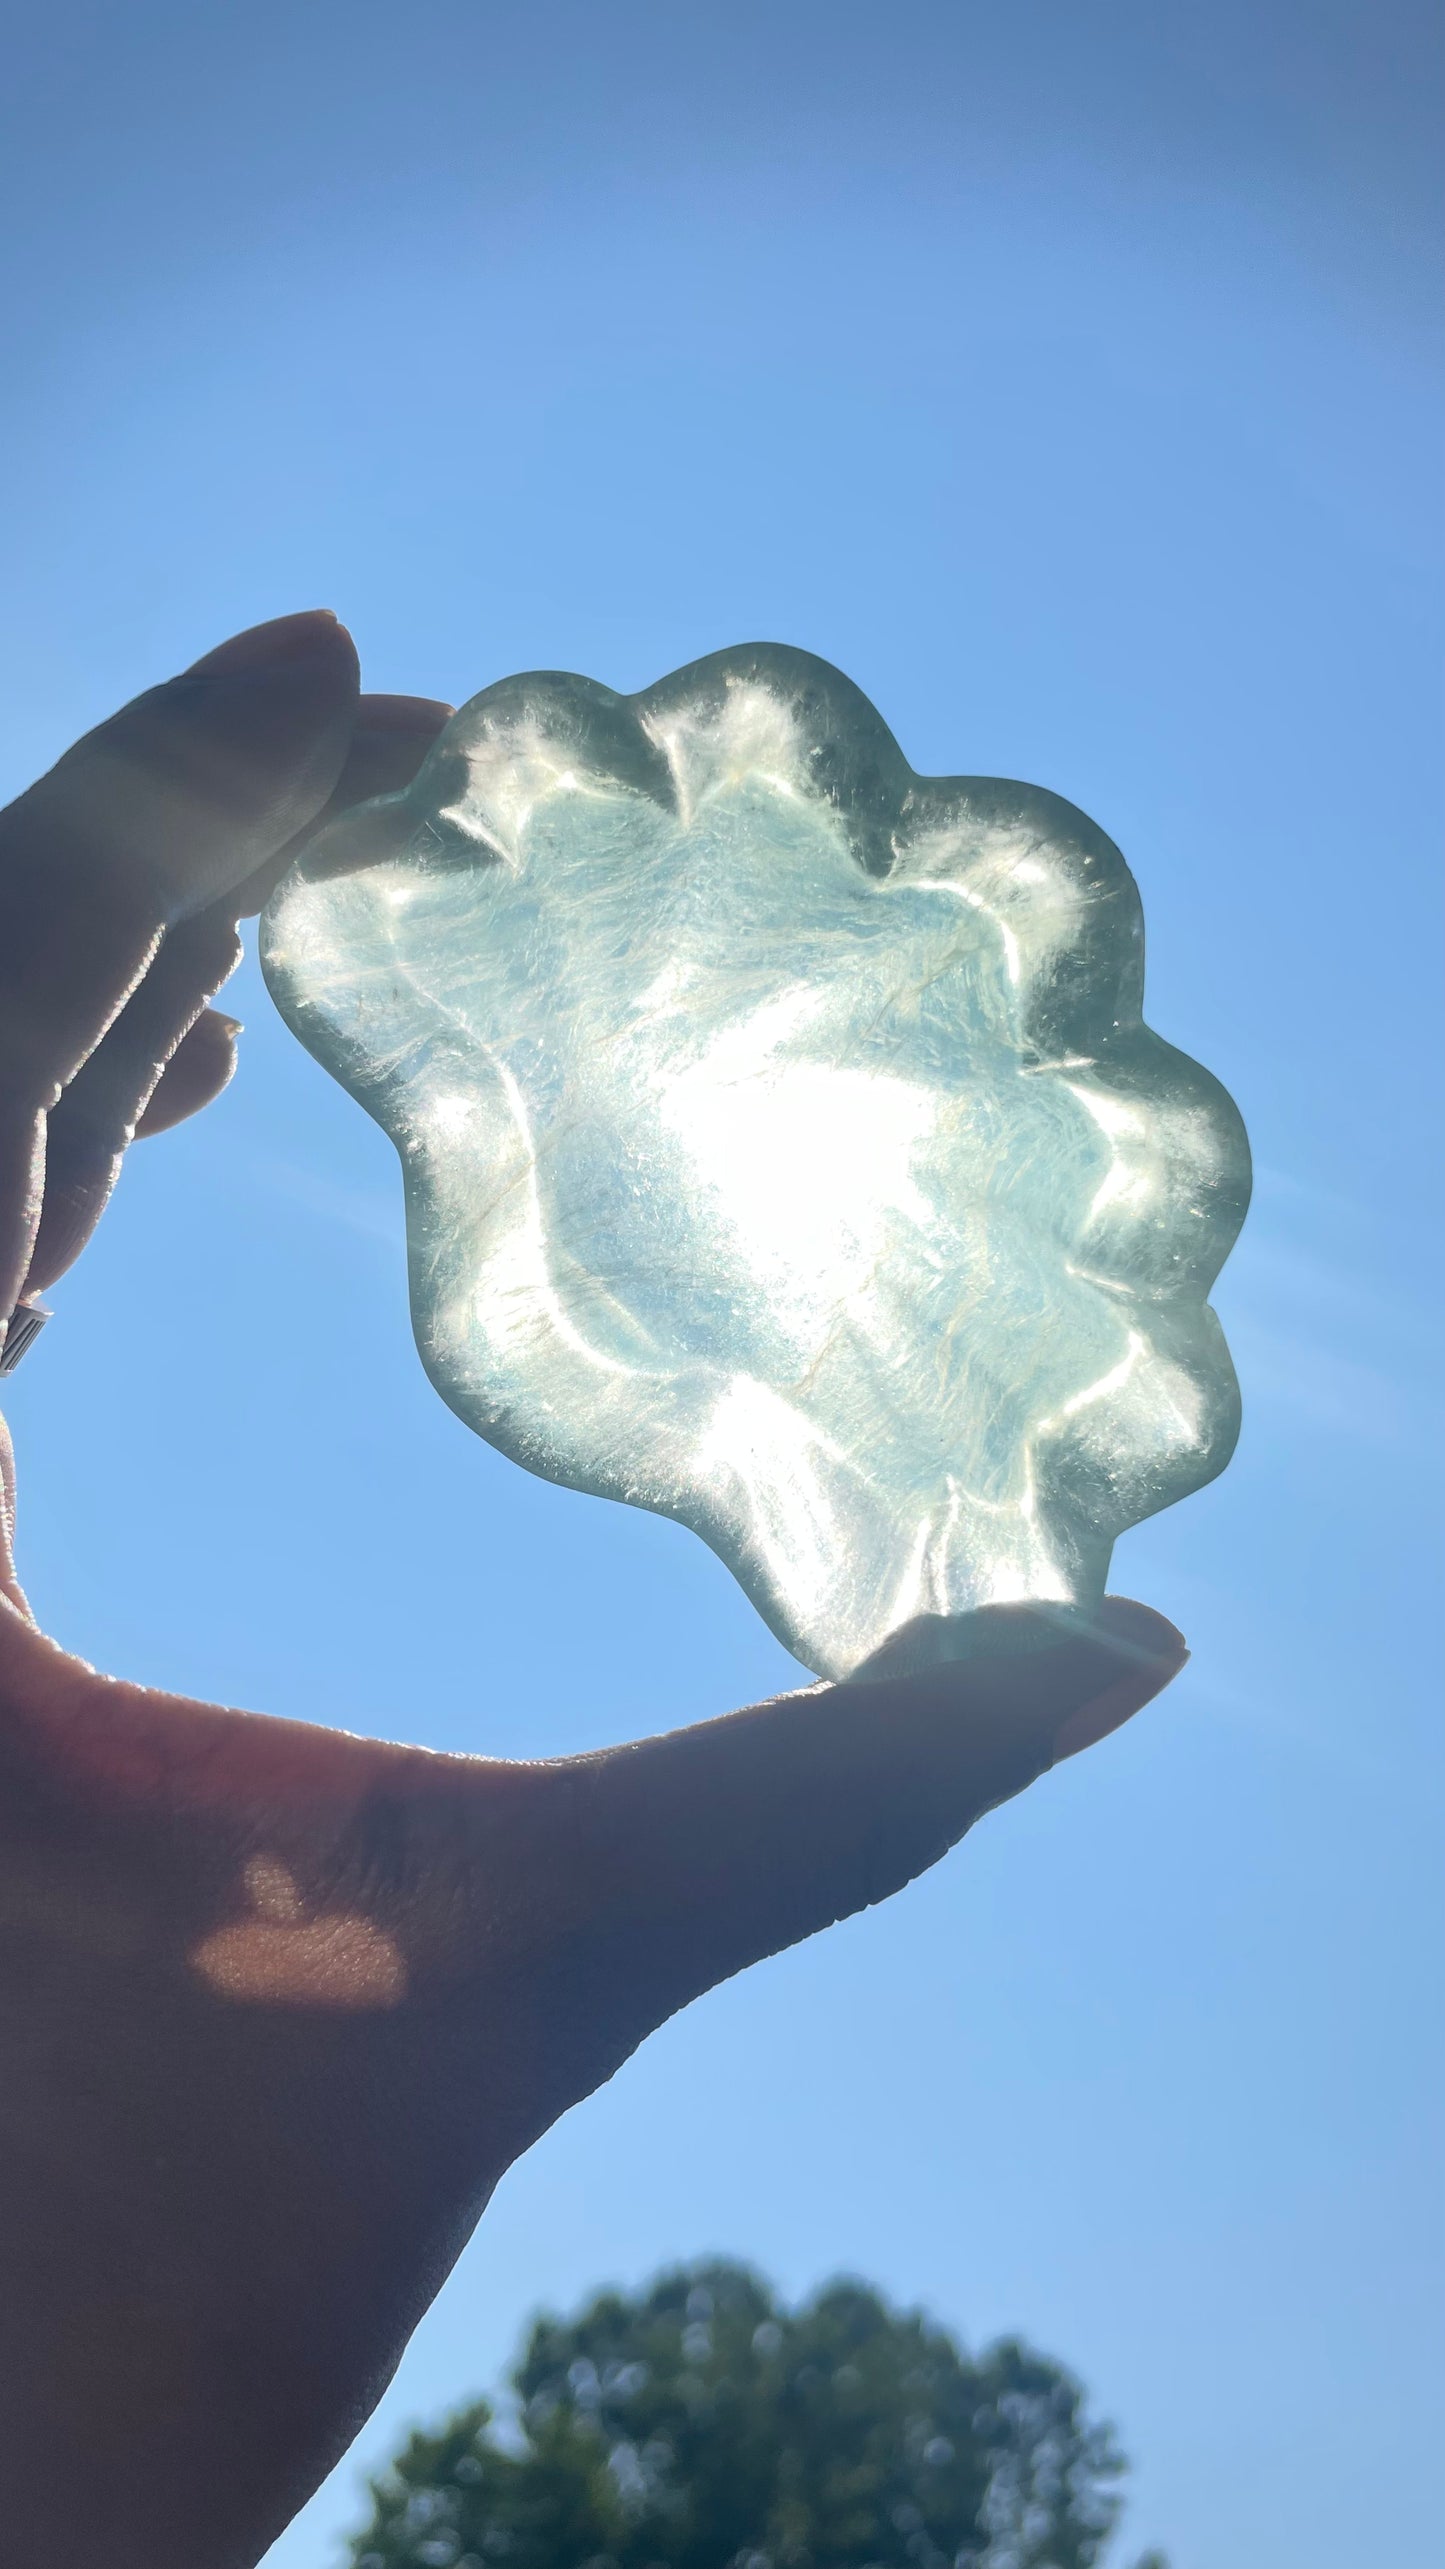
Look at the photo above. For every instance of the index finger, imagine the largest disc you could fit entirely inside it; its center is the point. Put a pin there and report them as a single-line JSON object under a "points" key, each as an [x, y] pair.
{"points": [[172, 802], [178, 799]]}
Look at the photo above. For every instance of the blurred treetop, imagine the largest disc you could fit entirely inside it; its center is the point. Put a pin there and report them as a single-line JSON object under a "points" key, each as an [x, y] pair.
{"points": [[700, 2425]]}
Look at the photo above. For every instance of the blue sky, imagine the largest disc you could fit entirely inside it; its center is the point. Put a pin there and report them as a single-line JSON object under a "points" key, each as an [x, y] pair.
{"points": [[1070, 376]]}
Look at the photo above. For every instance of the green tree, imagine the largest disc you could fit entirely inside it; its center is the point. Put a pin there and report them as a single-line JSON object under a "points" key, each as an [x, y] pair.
{"points": [[701, 2425]]}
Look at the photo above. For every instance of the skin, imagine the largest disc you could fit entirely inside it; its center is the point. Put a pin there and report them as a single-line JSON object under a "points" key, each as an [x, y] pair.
{"points": [[278, 2006]]}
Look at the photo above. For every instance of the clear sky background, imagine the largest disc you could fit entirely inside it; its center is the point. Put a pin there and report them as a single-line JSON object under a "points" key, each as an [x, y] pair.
{"points": [[1067, 374]]}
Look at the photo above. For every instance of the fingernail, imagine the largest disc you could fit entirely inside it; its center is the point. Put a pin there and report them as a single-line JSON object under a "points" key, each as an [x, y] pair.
{"points": [[1116, 1705], [422, 714], [268, 646]]}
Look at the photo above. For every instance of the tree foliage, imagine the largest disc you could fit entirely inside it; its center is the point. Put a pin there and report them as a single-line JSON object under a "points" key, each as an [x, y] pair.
{"points": [[701, 2425]]}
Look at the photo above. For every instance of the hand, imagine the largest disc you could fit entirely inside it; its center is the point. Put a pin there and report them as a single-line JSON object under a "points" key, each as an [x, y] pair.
{"points": [[236, 1951]]}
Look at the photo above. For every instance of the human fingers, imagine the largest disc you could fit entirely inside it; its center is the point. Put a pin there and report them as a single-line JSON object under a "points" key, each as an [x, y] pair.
{"points": [[8, 1585], [203, 1063], [392, 737], [154, 815], [694, 1854], [150, 818], [269, 1939], [98, 1109], [162, 1059]]}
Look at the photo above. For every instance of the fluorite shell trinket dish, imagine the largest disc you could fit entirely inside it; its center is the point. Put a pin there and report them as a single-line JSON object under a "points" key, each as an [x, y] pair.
{"points": [[784, 1148]]}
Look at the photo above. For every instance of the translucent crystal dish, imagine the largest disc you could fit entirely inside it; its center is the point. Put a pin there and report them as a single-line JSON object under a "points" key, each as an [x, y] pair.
{"points": [[784, 1148]]}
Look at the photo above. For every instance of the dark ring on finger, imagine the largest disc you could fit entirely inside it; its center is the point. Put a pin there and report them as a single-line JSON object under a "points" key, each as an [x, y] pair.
{"points": [[21, 1331]]}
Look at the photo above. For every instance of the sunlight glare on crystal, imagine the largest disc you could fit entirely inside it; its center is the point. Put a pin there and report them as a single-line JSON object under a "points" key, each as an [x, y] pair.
{"points": [[785, 1147]]}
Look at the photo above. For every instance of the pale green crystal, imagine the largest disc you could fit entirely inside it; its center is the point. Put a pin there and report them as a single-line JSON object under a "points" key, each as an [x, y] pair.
{"points": [[783, 1146]]}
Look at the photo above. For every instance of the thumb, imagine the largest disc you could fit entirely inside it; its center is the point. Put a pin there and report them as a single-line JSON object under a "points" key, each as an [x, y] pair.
{"points": [[693, 1855]]}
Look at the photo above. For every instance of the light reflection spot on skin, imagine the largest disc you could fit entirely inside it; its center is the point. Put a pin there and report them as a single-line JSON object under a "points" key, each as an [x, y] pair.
{"points": [[279, 1956]]}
